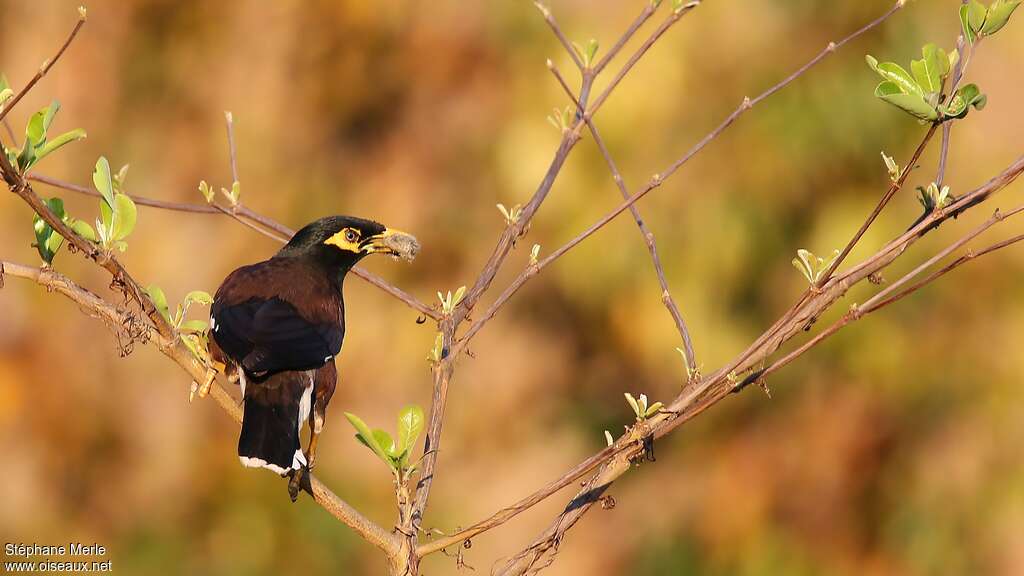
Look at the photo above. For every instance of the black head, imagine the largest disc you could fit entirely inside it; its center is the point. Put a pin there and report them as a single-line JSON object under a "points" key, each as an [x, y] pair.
{"points": [[341, 241]]}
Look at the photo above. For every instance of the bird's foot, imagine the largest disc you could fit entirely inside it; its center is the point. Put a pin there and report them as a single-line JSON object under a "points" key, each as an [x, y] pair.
{"points": [[202, 390], [299, 480]]}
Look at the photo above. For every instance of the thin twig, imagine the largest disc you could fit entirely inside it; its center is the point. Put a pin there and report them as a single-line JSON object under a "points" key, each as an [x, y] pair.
{"points": [[885, 297], [659, 179], [246, 216], [546, 12], [44, 68], [948, 126], [638, 23], [969, 256], [995, 219], [648, 236], [882, 202], [569, 140]]}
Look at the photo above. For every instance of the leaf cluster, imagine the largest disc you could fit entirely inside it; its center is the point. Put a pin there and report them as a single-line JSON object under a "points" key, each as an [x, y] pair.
{"points": [[392, 451]]}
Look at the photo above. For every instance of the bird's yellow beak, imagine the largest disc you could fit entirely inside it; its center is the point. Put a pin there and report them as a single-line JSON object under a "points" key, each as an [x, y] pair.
{"points": [[393, 242]]}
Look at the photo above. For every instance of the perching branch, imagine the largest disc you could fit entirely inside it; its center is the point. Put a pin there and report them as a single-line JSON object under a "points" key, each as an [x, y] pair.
{"points": [[125, 324], [255, 221]]}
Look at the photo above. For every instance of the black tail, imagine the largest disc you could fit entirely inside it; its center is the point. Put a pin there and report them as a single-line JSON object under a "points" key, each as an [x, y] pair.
{"points": [[275, 409]]}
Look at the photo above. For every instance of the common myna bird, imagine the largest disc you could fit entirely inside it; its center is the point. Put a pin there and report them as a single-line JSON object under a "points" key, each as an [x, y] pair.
{"points": [[278, 325]]}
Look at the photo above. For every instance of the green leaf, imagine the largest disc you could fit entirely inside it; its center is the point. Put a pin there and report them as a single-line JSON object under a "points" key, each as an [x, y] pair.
{"points": [[385, 441], [159, 300], [976, 14], [632, 403], [932, 69], [206, 191], [913, 104], [124, 217], [120, 177], [101, 179], [364, 435], [234, 194], [198, 297], [48, 242], [459, 294], [51, 112], [103, 229], [965, 97], [410, 425], [59, 141], [194, 325], [196, 344], [35, 131], [590, 51], [84, 230], [803, 263], [965, 24], [895, 74], [998, 15]]}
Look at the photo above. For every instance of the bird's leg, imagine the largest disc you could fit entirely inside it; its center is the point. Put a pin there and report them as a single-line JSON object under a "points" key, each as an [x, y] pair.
{"points": [[299, 478], [316, 424], [211, 374]]}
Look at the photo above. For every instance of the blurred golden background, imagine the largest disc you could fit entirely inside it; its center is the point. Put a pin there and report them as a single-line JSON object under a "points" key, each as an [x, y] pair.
{"points": [[895, 448]]}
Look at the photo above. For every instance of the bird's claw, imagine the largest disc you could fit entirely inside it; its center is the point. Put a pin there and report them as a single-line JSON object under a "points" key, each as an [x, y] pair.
{"points": [[299, 480]]}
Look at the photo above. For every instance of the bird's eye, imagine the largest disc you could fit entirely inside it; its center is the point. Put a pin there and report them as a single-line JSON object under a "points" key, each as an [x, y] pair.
{"points": [[351, 235]]}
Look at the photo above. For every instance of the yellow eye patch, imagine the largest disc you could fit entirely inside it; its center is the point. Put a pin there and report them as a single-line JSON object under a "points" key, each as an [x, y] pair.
{"points": [[346, 239]]}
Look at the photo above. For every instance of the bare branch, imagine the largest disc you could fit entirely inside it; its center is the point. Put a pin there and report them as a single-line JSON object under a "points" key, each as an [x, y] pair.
{"points": [[882, 202], [569, 140], [659, 179], [546, 13], [638, 23], [696, 398], [541, 552], [44, 68], [648, 236], [261, 224]]}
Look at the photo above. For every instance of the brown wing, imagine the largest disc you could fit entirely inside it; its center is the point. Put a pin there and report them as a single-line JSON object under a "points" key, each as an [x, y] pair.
{"points": [[278, 315]]}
